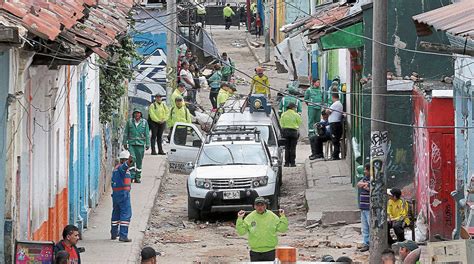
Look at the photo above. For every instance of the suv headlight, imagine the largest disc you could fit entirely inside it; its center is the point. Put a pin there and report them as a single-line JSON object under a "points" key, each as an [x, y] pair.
{"points": [[203, 183], [259, 181]]}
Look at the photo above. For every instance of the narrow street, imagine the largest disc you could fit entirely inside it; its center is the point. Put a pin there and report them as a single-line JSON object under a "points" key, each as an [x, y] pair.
{"points": [[215, 240]]}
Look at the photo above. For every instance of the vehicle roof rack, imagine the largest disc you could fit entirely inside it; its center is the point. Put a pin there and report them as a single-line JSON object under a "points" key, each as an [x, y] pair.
{"points": [[234, 133]]}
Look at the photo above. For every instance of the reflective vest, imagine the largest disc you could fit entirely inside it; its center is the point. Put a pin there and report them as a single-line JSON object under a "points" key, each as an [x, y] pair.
{"points": [[121, 180]]}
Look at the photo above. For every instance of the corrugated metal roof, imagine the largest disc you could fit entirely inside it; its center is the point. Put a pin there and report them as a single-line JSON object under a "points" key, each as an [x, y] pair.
{"points": [[93, 23], [457, 19], [328, 17]]}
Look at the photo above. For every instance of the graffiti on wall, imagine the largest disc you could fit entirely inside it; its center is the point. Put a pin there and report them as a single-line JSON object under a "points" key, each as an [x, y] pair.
{"points": [[378, 197]]}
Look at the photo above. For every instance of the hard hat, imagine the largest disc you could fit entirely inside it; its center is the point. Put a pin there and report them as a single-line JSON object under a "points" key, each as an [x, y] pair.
{"points": [[124, 154], [259, 69]]}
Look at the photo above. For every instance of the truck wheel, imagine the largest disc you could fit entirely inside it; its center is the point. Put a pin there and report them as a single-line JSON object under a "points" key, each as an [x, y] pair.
{"points": [[193, 213]]}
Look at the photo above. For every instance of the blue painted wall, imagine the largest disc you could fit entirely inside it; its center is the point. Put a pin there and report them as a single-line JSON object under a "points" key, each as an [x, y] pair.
{"points": [[4, 83], [293, 13]]}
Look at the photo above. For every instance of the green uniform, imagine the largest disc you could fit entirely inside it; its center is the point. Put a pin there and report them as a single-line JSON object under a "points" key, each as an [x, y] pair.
{"points": [[174, 95], [178, 115], [262, 230], [285, 101], [227, 69], [137, 137], [313, 95], [222, 97], [290, 119]]}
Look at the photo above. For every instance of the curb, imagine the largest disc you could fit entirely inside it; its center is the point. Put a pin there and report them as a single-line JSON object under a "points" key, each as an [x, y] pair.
{"points": [[254, 54], [138, 244]]}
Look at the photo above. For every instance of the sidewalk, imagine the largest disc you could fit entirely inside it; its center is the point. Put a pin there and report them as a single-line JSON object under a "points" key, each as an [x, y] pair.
{"points": [[329, 194], [96, 239]]}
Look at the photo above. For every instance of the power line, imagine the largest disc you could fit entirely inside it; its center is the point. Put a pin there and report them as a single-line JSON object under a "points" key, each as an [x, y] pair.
{"points": [[372, 40], [316, 104]]}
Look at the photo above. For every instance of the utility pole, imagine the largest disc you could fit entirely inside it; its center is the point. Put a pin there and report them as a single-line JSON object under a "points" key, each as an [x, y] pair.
{"points": [[171, 58], [267, 31], [379, 135]]}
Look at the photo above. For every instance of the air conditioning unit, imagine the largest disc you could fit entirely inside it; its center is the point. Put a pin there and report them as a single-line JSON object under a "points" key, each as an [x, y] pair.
{"points": [[452, 252]]}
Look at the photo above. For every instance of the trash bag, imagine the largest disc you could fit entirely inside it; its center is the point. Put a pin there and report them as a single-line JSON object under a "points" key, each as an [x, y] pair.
{"points": [[421, 229]]}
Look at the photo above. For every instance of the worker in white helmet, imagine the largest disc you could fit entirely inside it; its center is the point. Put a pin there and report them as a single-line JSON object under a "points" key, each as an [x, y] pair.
{"points": [[122, 209]]}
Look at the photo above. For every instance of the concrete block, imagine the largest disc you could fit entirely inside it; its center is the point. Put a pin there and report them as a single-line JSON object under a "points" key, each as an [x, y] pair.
{"points": [[348, 216], [313, 218]]}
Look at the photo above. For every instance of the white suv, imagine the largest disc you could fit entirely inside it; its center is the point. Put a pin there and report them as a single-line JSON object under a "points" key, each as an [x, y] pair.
{"points": [[231, 169]]}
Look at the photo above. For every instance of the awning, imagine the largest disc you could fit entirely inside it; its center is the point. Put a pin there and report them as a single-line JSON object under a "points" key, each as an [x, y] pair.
{"points": [[340, 30], [457, 19], [343, 39]]}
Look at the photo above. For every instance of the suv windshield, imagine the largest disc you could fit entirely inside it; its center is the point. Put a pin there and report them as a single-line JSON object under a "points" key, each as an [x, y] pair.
{"points": [[232, 154]]}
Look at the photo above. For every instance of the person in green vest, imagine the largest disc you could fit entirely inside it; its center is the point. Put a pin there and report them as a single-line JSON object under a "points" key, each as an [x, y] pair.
{"points": [[262, 227], [158, 113], [178, 92], [136, 138], [226, 91], [228, 13], [228, 67], [287, 99], [290, 122], [313, 95], [179, 113]]}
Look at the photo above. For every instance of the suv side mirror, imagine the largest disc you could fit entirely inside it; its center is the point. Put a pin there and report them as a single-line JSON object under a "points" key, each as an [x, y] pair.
{"points": [[197, 143], [281, 142], [189, 167]]}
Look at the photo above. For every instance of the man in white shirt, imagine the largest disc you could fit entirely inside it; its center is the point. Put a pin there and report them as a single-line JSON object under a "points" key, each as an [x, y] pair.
{"points": [[335, 122], [186, 77]]}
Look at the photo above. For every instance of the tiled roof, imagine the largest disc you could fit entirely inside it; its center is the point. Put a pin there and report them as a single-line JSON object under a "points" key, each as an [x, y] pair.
{"points": [[93, 23], [328, 17], [457, 19]]}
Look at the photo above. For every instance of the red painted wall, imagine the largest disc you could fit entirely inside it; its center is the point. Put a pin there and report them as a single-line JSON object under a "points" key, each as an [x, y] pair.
{"points": [[434, 163]]}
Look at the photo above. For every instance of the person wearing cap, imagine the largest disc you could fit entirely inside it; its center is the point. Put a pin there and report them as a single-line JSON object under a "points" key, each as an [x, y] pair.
{"points": [[179, 113], [158, 113], [397, 212], [286, 100], [226, 91], [408, 251], [260, 83], [122, 209], [136, 138], [228, 67], [215, 82], [314, 99], [148, 255], [262, 227], [178, 92], [290, 122], [327, 258], [321, 135]]}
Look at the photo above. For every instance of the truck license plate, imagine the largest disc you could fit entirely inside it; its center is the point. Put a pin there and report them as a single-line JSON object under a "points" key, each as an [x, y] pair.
{"points": [[231, 195]]}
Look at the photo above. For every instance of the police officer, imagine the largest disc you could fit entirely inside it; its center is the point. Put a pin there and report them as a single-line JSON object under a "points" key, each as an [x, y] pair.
{"points": [[262, 227], [290, 122], [122, 210], [158, 113], [314, 96], [136, 138], [179, 113]]}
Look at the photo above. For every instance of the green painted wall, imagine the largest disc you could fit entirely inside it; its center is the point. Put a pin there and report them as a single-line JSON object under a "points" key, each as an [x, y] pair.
{"points": [[402, 32]]}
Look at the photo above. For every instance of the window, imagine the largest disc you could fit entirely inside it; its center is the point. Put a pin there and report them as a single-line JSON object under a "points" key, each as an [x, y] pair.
{"points": [[186, 136], [232, 154]]}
